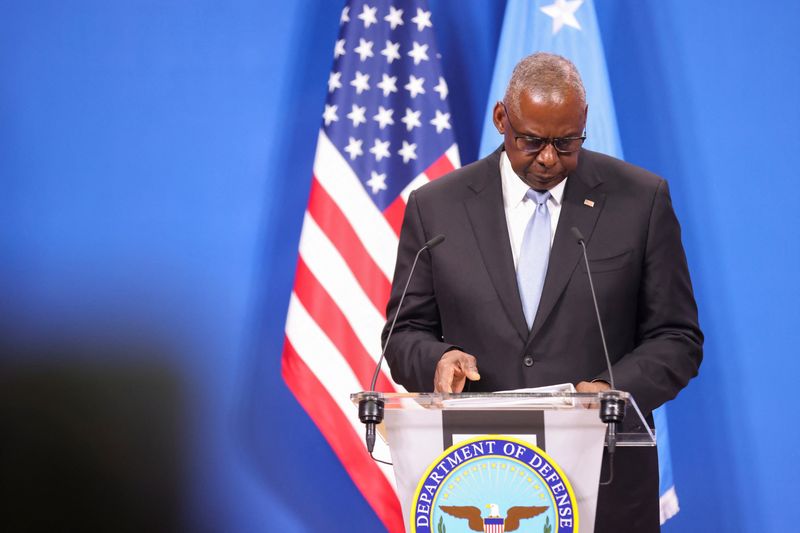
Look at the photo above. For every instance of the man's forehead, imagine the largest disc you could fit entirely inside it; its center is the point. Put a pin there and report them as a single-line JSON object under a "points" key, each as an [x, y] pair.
{"points": [[538, 97], [559, 96]]}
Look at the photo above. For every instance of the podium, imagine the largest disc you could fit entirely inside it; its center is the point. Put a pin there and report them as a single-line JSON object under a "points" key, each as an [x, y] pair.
{"points": [[524, 461]]}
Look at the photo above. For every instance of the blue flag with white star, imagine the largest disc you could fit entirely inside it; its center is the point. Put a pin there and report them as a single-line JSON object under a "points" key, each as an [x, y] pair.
{"points": [[569, 28]]}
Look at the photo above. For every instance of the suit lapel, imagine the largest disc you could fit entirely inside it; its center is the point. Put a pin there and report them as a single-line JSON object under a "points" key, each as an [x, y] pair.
{"points": [[487, 216], [565, 253]]}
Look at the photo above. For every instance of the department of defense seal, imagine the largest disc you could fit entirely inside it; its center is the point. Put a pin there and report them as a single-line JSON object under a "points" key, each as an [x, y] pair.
{"points": [[494, 484]]}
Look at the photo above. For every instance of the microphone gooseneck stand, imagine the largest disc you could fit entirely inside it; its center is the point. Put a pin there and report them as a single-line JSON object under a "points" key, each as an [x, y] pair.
{"points": [[370, 407], [612, 405]]}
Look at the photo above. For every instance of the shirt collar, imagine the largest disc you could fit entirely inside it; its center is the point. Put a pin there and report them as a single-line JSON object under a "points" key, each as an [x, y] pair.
{"points": [[514, 188]]}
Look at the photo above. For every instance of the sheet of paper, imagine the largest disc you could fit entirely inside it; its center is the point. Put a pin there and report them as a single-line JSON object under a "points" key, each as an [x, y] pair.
{"points": [[499, 400]]}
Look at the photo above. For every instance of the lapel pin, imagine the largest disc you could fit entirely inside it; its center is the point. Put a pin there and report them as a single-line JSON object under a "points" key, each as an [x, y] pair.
{"points": [[588, 202]]}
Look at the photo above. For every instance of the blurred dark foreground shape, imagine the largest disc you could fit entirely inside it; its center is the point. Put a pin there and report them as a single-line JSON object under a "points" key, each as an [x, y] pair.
{"points": [[90, 441]]}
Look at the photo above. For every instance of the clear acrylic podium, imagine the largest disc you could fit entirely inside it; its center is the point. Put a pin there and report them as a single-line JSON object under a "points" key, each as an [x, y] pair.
{"points": [[565, 425]]}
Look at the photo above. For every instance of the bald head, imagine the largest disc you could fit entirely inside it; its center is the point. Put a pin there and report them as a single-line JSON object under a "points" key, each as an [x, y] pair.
{"points": [[545, 78]]}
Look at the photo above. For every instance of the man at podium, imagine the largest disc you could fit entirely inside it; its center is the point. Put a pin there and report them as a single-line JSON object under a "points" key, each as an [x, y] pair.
{"points": [[505, 301]]}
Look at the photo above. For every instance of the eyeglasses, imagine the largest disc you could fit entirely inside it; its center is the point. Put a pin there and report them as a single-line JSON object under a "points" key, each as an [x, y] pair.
{"points": [[533, 145]]}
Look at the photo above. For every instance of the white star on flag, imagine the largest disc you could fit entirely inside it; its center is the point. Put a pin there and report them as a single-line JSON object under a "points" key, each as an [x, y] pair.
{"points": [[395, 17], [414, 85], [391, 51], [423, 19], [330, 114], [360, 82], [388, 84], [345, 15], [368, 15], [380, 149], [334, 81], [441, 88], [357, 115], [339, 50], [411, 119], [563, 13], [442, 121], [377, 182], [354, 148], [419, 52], [408, 151], [384, 117], [364, 49]]}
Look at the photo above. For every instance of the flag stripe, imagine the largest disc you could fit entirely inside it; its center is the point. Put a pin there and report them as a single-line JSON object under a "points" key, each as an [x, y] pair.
{"points": [[343, 186], [342, 235], [334, 323], [315, 349], [347, 445], [440, 167], [328, 267], [394, 214]]}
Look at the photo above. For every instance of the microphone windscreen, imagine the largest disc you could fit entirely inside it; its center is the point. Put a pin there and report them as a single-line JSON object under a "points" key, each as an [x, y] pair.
{"points": [[577, 234], [436, 241]]}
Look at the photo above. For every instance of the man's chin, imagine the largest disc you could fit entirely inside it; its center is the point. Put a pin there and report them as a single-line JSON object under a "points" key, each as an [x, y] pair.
{"points": [[544, 182]]}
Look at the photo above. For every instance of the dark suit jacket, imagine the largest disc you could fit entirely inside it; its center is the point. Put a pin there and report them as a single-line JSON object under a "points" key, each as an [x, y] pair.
{"points": [[464, 292]]}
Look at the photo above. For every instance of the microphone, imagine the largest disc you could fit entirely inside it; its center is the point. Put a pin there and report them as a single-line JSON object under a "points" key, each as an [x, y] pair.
{"points": [[370, 407], [612, 406]]}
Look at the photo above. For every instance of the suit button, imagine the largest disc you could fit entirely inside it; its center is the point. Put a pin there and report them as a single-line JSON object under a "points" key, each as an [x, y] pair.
{"points": [[528, 361]]}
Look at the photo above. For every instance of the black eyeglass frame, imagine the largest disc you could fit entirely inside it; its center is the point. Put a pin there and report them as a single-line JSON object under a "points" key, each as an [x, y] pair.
{"points": [[545, 141]]}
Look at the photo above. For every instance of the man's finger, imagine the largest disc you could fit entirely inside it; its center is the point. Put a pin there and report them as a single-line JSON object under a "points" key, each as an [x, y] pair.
{"points": [[444, 383], [470, 369]]}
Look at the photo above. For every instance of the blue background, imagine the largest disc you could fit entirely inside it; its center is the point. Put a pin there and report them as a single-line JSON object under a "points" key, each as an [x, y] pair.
{"points": [[155, 162]]}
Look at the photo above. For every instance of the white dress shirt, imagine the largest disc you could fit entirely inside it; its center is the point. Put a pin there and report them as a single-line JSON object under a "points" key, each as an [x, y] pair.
{"points": [[519, 208]]}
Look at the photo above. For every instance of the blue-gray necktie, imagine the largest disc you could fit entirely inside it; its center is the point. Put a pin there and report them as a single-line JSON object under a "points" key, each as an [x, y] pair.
{"points": [[534, 254]]}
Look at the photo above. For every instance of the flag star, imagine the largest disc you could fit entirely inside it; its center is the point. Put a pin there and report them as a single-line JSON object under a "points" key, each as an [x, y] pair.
{"points": [[442, 121], [360, 82], [423, 19], [368, 15], [384, 117], [388, 84], [392, 51], [357, 115], [408, 151], [419, 52], [414, 86], [377, 182], [411, 119], [563, 13], [380, 149], [334, 81], [395, 17], [441, 88], [354, 148], [338, 50], [330, 114], [364, 49], [345, 15]]}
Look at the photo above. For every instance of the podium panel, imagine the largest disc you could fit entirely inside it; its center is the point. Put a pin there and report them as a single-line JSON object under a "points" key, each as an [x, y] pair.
{"points": [[566, 427]]}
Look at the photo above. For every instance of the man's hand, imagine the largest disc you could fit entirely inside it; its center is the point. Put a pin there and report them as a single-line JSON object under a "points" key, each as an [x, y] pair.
{"points": [[592, 386], [453, 370]]}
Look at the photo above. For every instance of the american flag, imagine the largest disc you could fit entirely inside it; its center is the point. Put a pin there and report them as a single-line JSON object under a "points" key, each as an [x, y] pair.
{"points": [[385, 131]]}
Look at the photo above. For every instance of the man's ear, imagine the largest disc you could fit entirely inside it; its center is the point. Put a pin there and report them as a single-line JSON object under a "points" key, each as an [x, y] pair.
{"points": [[497, 117]]}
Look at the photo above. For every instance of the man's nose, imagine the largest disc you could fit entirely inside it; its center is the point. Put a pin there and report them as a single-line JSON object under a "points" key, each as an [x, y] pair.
{"points": [[547, 156]]}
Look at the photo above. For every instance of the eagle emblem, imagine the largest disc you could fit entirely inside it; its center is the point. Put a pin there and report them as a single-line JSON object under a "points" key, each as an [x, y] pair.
{"points": [[493, 523]]}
